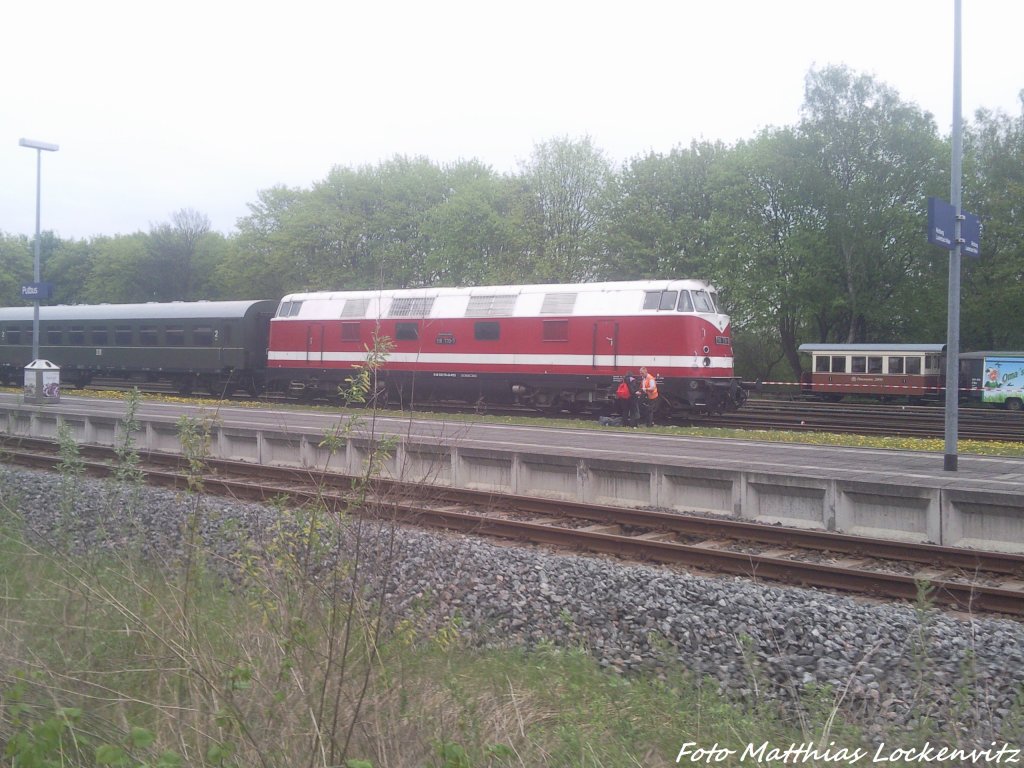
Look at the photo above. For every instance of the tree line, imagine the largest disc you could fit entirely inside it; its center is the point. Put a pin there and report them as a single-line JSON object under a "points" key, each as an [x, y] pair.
{"points": [[812, 232]]}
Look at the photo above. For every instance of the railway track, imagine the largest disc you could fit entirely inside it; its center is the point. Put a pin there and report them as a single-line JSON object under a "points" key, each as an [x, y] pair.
{"points": [[969, 580]]}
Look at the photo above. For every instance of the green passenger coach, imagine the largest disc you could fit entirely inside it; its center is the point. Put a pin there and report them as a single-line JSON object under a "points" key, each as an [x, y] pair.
{"points": [[219, 346]]}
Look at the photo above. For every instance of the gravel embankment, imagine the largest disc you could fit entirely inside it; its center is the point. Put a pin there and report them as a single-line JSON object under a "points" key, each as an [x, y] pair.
{"points": [[891, 663]]}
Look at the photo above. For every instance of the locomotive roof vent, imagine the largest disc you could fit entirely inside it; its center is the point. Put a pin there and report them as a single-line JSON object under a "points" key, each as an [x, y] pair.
{"points": [[355, 307], [558, 303], [416, 306], [500, 305]]}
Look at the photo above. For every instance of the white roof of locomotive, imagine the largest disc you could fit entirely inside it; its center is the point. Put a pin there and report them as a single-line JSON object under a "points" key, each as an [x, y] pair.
{"points": [[608, 298]]}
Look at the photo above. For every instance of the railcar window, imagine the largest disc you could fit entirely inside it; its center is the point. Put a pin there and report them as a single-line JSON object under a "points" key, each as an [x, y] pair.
{"points": [[702, 301], [202, 336], [123, 335], [174, 335], [350, 331], [55, 336], [875, 364], [685, 302], [895, 365], [858, 364], [149, 336], [227, 334], [914, 366], [407, 331], [14, 336], [487, 331], [99, 337], [839, 364], [76, 335], [555, 330], [931, 362], [822, 364]]}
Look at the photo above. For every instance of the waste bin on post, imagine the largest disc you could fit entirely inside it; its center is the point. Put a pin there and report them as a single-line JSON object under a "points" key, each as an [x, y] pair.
{"points": [[42, 382]]}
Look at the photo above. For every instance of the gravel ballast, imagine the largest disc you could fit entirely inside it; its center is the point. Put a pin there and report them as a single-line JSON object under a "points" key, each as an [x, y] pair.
{"points": [[890, 664]]}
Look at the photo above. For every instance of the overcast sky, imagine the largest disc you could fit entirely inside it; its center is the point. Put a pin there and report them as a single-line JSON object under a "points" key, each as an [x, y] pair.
{"points": [[158, 107]]}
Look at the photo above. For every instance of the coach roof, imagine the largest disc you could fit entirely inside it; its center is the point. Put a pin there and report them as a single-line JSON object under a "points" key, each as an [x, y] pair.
{"points": [[175, 310]]}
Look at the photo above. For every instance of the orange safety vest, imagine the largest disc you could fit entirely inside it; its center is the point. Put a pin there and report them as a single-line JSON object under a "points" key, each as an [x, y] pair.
{"points": [[650, 387]]}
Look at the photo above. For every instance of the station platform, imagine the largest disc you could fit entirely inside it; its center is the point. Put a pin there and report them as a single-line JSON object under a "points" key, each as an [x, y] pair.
{"points": [[901, 495]]}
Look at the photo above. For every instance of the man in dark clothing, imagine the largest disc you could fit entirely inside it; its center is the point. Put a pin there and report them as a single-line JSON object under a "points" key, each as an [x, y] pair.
{"points": [[632, 415]]}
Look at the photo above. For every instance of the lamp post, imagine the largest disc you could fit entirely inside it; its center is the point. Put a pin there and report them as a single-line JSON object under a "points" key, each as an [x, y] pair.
{"points": [[39, 147]]}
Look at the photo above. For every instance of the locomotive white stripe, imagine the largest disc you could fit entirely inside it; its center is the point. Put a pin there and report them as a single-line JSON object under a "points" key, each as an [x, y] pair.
{"points": [[654, 362]]}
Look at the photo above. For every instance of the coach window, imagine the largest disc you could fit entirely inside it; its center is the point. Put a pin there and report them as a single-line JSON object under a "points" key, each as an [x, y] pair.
{"points": [[685, 302], [99, 337], [174, 336], [896, 365], [822, 363], [350, 332], [913, 366], [14, 336], [76, 335], [555, 330], [407, 331], [123, 335], [875, 364], [149, 336], [486, 331], [202, 336], [858, 364], [55, 336], [839, 364], [931, 362]]}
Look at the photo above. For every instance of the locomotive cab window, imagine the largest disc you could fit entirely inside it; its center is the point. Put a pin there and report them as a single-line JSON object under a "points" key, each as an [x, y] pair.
{"points": [[407, 331], [555, 330], [486, 331], [660, 299], [702, 301], [896, 365], [685, 302]]}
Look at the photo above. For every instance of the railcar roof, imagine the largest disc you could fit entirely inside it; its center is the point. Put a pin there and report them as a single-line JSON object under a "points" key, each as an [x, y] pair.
{"points": [[989, 353], [486, 290], [175, 310], [905, 348]]}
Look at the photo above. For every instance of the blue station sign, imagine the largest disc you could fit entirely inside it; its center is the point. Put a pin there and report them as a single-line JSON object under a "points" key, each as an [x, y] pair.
{"points": [[37, 291], [942, 228]]}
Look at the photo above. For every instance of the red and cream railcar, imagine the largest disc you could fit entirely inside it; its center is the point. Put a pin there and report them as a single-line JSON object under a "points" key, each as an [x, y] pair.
{"points": [[912, 371], [549, 346]]}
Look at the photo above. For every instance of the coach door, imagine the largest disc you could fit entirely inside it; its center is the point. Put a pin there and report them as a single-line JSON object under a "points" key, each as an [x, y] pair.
{"points": [[314, 344], [606, 345]]}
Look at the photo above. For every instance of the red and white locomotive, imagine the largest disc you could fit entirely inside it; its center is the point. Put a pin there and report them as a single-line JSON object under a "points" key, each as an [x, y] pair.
{"points": [[552, 347]]}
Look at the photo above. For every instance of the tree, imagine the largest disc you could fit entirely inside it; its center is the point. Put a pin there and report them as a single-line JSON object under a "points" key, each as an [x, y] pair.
{"points": [[172, 251]]}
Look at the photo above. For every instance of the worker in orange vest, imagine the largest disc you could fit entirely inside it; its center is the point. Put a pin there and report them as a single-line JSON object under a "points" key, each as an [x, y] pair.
{"points": [[649, 398]]}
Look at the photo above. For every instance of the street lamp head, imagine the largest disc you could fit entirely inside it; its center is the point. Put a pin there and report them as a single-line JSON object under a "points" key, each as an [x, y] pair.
{"points": [[33, 144]]}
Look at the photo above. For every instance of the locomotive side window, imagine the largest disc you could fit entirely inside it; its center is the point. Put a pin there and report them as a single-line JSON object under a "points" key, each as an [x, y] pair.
{"points": [[685, 302], [555, 330], [914, 366], [895, 365], [875, 364], [123, 335], [486, 331], [858, 364], [99, 337], [702, 301], [350, 331], [407, 331], [76, 335], [838, 363]]}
